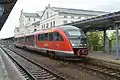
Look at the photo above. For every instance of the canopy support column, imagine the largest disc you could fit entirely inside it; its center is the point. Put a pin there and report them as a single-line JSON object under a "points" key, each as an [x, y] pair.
{"points": [[117, 44], [105, 41]]}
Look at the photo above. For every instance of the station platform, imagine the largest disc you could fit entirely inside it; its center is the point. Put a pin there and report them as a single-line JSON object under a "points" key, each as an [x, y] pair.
{"points": [[104, 58], [3, 71], [8, 70]]}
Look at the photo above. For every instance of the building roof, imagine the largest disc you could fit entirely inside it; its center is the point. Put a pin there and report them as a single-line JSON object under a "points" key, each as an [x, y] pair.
{"points": [[101, 23], [8, 6], [31, 14], [36, 23], [78, 11]]}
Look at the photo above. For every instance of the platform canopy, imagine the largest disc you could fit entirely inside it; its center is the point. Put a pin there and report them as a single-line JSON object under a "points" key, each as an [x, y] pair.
{"points": [[5, 8], [100, 23]]}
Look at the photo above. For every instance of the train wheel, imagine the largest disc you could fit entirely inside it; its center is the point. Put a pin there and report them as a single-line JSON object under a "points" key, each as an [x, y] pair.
{"points": [[47, 53], [15, 46], [52, 54]]}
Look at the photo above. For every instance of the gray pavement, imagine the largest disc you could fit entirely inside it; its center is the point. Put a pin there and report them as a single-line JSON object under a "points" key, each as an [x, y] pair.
{"points": [[3, 71], [110, 57]]}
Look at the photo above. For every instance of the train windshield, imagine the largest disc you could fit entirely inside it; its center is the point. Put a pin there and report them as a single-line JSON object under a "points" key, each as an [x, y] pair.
{"points": [[75, 33]]}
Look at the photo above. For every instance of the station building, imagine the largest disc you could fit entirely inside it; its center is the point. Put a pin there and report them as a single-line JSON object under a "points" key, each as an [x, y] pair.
{"points": [[50, 17], [27, 23], [53, 16]]}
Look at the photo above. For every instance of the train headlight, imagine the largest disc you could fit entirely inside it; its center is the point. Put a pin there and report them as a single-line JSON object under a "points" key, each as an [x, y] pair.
{"points": [[73, 44], [80, 44]]}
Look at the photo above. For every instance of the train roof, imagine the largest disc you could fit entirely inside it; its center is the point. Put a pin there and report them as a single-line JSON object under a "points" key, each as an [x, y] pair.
{"points": [[18, 36], [63, 27], [66, 27]]}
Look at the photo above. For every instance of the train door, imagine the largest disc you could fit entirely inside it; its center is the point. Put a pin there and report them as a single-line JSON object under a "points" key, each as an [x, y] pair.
{"points": [[35, 41]]}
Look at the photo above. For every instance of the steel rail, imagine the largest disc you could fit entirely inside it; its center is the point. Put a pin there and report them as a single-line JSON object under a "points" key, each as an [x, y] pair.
{"points": [[57, 76]]}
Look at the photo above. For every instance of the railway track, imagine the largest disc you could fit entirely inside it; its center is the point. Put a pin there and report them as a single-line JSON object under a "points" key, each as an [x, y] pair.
{"points": [[107, 72], [32, 70], [112, 74]]}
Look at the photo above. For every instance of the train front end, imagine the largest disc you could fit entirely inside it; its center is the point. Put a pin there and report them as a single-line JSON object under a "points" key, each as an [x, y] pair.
{"points": [[78, 42]]}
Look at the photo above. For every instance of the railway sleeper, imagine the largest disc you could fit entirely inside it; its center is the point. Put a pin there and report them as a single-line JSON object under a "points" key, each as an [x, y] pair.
{"points": [[41, 74], [45, 77], [38, 72]]}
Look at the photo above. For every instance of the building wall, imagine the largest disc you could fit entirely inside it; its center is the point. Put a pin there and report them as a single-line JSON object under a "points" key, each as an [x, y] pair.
{"points": [[29, 20], [51, 18], [69, 18], [25, 23], [48, 18], [16, 31], [21, 20]]}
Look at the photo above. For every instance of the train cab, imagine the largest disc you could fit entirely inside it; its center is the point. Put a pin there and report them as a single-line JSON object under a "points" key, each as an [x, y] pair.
{"points": [[77, 39]]}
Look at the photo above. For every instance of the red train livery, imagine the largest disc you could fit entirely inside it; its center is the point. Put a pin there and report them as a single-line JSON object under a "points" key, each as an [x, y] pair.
{"points": [[62, 41]]}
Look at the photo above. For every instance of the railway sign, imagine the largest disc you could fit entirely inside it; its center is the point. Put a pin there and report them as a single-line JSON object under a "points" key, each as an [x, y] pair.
{"points": [[1, 9]]}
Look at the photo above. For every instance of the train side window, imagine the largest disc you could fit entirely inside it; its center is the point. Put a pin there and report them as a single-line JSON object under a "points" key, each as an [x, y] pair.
{"points": [[29, 39], [46, 36], [57, 37], [51, 36], [17, 40], [41, 37], [21, 39]]}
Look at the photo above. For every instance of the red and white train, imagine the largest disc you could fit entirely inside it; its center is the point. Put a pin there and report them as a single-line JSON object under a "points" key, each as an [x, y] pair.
{"points": [[62, 41]]}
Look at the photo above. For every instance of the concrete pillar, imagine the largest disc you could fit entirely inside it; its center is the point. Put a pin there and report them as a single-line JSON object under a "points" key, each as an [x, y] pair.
{"points": [[104, 41], [117, 43]]}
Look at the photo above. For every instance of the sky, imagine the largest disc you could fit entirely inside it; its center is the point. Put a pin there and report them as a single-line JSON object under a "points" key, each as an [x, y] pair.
{"points": [[39, 5]]}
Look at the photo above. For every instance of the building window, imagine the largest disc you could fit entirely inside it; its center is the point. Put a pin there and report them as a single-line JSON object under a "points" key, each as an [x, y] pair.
{"points": [[72, 17], [53, 23], [72, 21], [65, 22], [79, 17], [47, 14], [47, 25], [34, 19], [51, 13], [82, 17], [44, 26], [35, 30], [17, 30], [29, 18], [65, 16]]}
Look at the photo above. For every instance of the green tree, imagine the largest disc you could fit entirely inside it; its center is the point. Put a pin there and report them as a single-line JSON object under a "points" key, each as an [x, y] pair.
{"points": [[95, 39]]}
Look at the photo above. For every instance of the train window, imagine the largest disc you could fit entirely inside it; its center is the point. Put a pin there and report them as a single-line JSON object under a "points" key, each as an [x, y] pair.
{"points": [[57, 37], [46, 36], [38, 36], [73, 33], [50, 36], [29, 39], [41, 37], [17, 40], [21, 39]]}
